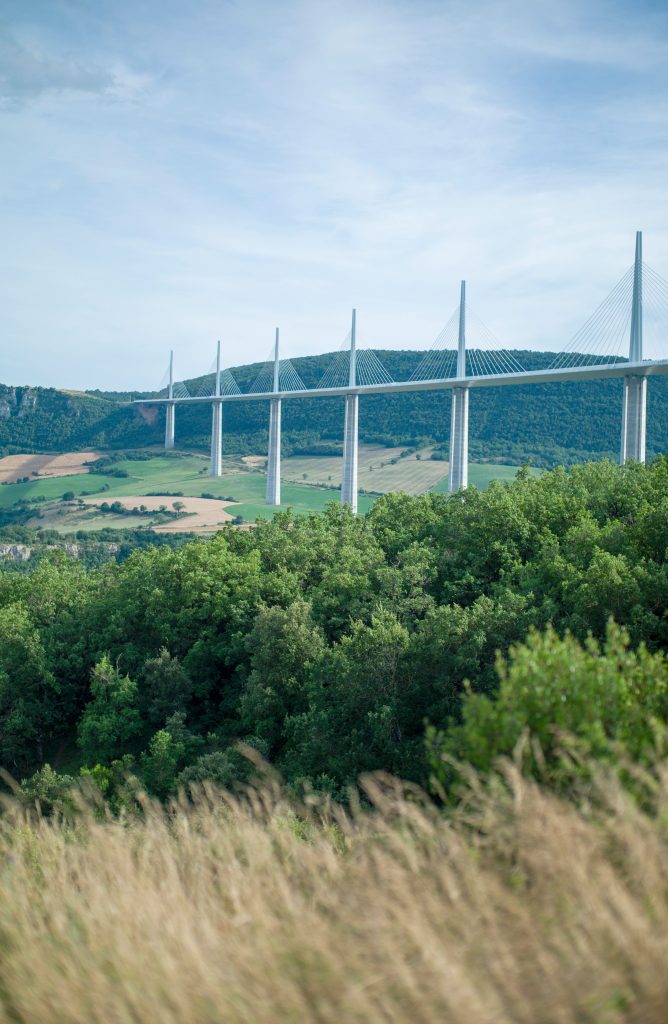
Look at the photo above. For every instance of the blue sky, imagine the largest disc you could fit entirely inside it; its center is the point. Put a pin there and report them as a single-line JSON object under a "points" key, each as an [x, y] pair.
{"points": [[172, 173]]}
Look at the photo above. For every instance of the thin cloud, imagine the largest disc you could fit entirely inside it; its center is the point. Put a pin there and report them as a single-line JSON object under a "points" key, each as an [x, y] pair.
{"points": [[28, 73], [279, 163]]}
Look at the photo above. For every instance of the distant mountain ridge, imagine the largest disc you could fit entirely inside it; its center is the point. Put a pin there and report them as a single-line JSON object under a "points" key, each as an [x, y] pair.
{"points": [[547, 422]]}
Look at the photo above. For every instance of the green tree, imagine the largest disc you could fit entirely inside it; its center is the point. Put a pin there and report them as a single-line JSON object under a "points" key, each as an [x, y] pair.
{"points": [[453, 644], [116, 782], [160, 763], [284, 645], [558, 692], [166, 689], [28, 691], [48, 790], [226, 769], [353, 722], [330, 638], [111, 721], [169, 750]]}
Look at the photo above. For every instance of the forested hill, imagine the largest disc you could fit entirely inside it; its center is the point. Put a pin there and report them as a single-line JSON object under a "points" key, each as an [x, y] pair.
{"points": [[548, 422]]}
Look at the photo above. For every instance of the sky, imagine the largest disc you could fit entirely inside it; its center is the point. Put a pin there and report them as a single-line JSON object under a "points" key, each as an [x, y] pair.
{"points": [[173, 173]]}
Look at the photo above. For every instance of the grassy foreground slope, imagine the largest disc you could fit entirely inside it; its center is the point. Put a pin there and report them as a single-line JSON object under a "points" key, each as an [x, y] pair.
{"points": [[517, 909]]}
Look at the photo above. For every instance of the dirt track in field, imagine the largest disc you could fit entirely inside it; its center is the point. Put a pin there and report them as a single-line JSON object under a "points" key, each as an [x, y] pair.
{"points": [[15, 467]]}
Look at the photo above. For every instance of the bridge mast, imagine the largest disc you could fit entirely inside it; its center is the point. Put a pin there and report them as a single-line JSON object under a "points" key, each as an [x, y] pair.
{"points": [[169, 410], [634, 404], [216, 468], [458, 476], [350, 438], [274, 452]]}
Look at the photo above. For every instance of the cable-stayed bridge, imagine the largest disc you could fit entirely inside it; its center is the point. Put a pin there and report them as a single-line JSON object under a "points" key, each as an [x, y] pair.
{"points": [[609, 344]]}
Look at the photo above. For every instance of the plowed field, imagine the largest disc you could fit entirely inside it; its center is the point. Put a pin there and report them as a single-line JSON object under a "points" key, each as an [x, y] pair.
{"points": [[15, 467]]}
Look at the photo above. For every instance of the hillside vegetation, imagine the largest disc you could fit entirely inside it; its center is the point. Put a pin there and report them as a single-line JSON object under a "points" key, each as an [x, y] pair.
{"points": [[549, 423], [327, 642]]}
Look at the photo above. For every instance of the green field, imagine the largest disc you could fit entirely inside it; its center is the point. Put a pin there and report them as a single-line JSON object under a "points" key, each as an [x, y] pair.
{"points": [[481, 475], [188, 473], [380, 469]]}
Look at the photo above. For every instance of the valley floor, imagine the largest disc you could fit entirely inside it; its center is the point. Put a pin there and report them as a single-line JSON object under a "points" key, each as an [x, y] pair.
{"points": [[158, 479]]}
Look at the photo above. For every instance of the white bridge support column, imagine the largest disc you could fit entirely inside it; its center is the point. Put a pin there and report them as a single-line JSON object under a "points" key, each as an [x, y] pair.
{"points": [[458, 476], [350, 434], [216, 466], [350, 454], [634, 404], [634, 419], [169, 409], [274, 451], [169, 427], [459, 441]]}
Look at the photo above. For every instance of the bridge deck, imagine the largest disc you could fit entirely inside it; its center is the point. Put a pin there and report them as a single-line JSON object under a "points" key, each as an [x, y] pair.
{"points": [[603, 371]]}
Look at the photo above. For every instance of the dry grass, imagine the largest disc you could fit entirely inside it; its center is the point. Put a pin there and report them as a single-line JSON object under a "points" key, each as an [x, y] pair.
{"points": [[521, 910]]}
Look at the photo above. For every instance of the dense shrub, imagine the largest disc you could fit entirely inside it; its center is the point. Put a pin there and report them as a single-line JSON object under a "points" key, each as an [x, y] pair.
{"points": [[573, 703], [333, 639]]}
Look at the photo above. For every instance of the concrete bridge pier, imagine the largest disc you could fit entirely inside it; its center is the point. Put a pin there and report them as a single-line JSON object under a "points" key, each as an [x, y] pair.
{"points": [[169, 409], [216, 466], [350, 454], [458, 476], [350, 432], [274, 454], [634, 403], [634, 419], [274, 450], [169, 426]]}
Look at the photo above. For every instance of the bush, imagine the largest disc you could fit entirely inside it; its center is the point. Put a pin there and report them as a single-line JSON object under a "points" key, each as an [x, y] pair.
{"points": [[226, 769], [47, 790], [111, 720], [575, 701]]}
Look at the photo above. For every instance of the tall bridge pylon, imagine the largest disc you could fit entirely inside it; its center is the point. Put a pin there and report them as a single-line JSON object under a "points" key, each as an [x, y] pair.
{"points": [[350, 428], [217, 424], [274, 449], [169, 416], [458, 475]]}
